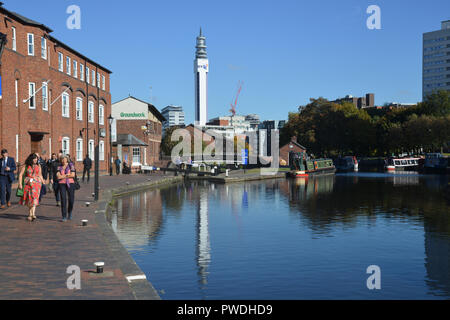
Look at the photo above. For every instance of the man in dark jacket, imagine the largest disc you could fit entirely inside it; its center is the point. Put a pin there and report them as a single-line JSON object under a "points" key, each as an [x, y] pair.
{"points": [[7, 168], [87, 165], [53, 165], [117, 162]]}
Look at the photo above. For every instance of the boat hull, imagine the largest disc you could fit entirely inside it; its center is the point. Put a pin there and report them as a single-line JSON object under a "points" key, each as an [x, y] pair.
{"points": [[306, 174], [400, 169]]}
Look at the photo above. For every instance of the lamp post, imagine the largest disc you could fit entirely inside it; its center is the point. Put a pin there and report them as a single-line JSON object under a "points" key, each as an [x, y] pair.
{"points": [[110, 119]]}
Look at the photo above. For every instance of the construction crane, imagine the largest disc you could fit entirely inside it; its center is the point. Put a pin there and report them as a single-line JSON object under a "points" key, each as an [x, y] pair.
{"points": [[233, 106]]}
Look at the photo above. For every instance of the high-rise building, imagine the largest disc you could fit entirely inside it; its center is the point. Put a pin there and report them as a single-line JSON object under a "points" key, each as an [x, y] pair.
{"points": [[254, 121], [360, 102], [174, 116], [265, 135], [201, 69], [436, 60]]}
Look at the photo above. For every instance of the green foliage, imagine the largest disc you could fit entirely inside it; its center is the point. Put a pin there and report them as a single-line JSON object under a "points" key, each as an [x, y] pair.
{"points": [[167, 144], [329, 129]]}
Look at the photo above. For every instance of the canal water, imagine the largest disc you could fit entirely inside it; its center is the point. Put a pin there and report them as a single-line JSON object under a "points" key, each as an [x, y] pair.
{"points": [[292, 239]]}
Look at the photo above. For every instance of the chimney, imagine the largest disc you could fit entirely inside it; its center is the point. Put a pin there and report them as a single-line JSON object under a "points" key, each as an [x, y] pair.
{"points": [[294, 139]]}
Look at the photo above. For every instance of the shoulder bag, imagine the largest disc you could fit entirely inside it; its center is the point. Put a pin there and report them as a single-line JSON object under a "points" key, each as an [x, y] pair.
{"points": [[20, 192]]}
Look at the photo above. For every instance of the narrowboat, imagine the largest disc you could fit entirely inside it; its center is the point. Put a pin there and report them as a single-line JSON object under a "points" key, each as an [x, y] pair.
{"points": [[302, 165], [436, 163], [346, 164]]}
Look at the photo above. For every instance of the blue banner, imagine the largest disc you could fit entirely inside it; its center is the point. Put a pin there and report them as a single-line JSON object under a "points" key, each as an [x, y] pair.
{"points": [[244, 155]]}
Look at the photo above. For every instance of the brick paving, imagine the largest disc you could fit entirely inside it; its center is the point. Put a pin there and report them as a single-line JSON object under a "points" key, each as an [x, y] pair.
{"points": [[34, 256]]}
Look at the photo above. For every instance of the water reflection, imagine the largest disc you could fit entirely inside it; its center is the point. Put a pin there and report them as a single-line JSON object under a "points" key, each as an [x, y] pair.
{"points": [[135, 221], [320, 206], [203, 243]]}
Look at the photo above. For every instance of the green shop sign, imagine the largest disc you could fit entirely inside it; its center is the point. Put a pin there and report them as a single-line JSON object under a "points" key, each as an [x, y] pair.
{"points": [[132, 115]]}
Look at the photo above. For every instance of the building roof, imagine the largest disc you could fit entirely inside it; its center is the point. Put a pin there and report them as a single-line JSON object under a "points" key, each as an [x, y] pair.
{"points": [[129, 140], [23, 19], [151, 108], [31, 22], [294, 141], [65, 46], [298, 145]]}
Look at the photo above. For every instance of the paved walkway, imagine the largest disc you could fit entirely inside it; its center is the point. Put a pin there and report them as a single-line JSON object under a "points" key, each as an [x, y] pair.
{"points": [[34, 256]]}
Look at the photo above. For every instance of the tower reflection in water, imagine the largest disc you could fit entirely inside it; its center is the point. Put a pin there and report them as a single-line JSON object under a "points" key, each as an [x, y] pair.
{"points": [[203, 243], [324, 205]]}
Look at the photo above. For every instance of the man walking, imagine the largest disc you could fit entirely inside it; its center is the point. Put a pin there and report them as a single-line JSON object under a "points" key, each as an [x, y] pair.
{"points": [[87, 165], [54, 163], [7, 168], [117, 162]]}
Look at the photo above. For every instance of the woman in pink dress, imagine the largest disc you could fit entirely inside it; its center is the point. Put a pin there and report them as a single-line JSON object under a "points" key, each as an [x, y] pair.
{"points": [[32, 185]]}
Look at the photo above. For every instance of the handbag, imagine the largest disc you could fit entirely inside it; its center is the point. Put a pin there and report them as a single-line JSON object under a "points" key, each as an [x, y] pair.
{"points": [[76, 184], [20, 192]]}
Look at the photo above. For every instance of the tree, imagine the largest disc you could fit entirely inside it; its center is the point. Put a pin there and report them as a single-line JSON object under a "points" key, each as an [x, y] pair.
{"points": [[167, 144]]}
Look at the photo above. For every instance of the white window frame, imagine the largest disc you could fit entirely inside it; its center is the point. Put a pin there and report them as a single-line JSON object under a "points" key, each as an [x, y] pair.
{"points": [[44, 96], [81, 72], [79, 150], [67, 141], [103, 83], [98, 80], [60, 62], [136, 155], [79, 109], [88, 71], [101, 115], [14, 39], [30, 45], [67, 114], [43, 48], [68, 66], [32, 95], [91, 149], [75, 68], [91, 112], [93, 77], [101, 150]]}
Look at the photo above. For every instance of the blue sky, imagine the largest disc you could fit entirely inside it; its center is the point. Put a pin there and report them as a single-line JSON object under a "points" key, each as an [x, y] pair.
{"points": [[285, 52]]}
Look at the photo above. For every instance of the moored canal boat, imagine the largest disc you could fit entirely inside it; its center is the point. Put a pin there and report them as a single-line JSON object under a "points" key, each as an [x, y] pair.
{"points": [[303, 166], [436, 163], [402, 164], [346, 164]]}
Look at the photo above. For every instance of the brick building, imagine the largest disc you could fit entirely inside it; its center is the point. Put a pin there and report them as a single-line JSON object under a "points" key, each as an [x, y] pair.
{"points": [[53, 97], [360, 102], [143, 121], [293, 146]]}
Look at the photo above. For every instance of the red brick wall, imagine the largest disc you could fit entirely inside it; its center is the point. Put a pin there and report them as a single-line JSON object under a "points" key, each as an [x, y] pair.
{"points": [[21, 120], [284, 151], [153, 141]]}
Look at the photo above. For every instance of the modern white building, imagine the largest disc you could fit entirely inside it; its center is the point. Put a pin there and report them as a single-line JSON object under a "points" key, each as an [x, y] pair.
{"points": [[436, 60], [174, 116], [201, 69]]}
